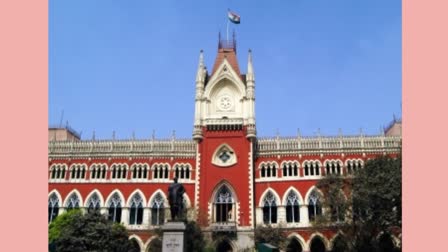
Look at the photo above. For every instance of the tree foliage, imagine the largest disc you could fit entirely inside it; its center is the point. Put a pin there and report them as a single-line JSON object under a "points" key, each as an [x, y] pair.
{"points": [[273, 235], [77, 232], [194, 238], [369, 204]]}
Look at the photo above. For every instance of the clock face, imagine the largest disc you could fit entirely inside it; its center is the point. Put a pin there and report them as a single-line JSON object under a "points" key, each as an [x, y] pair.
{"points": [[225, 102]]}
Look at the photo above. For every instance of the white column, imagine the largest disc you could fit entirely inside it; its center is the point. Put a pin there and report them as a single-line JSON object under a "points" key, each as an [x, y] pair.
{"points": [[146, 216], [281, 214], [304, 214], [125, 216]]}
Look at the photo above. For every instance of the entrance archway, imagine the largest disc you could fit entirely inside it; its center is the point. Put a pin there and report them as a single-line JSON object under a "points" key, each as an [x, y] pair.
{"points": [[339, 244], [134, 246], [294, 246], [317, 245], [386, 244], [224, 246]]}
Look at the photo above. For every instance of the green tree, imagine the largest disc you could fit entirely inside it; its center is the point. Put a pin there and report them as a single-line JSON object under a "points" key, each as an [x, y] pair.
{"points": [[365, 205], [273, 235], [77, 232], [194, 238]]}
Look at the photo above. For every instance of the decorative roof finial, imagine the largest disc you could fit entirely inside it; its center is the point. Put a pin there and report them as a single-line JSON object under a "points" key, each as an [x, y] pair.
{"points": [[113, 135], [93, 135]]}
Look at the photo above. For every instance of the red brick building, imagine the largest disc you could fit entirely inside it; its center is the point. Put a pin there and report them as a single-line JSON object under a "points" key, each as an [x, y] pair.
{"points": [[234, 179]]}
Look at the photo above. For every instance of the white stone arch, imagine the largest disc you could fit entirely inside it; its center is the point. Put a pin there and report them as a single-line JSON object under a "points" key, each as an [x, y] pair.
{"points": [[220, 75], [333, 160], [138, 240], [187, 201], [120, 194], [300, 239], [218, 187], [105, 164], [396, 241], [74, 191], [162, 164], [322, 237], [100, 196], [285, 195], [153, 195], [354, 159], [136, 191], [231, 242], [146, 245], [57, 195], [290, 162], [218, 162], [263, 195], [309, 161], [268, 163]]}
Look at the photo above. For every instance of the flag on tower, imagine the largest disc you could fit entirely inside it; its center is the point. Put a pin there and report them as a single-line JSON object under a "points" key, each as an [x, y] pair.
{"points": [[233, 17]]}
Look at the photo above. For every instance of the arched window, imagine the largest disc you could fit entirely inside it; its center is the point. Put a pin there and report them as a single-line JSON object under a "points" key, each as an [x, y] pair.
{"points": [[157, 210], [333, 167], [314, 206], [224, 205], [53, 207], [136, 213], [311, 168], [98, 171], [78, 171], [93, 204], [353, 166], [57, 171], [268, 170], [292, 207], [269, 209], [290, 169], [119, 171], [160, 171], [115, 208], [139, 171], [182, 171], [72, 202]]}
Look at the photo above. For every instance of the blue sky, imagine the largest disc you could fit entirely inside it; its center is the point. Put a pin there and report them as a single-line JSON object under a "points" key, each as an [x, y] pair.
{"points": [[130, 66]]}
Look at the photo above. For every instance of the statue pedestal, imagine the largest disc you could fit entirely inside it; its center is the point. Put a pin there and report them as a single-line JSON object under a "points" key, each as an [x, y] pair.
{"points": [[173, 236]]}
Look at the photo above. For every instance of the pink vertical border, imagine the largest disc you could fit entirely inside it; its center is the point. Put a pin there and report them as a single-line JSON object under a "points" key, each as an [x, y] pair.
{"points": [[425, 125], [23, 106]]}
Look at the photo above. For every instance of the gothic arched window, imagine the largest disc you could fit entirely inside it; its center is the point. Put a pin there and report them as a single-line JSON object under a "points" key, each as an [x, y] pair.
{"points": [[93, 204], [136, 212], [269, 209], [314, 206], [73, 202], [157, 210], [224, 205], [292, 207], [53, 207], [115, 208]]}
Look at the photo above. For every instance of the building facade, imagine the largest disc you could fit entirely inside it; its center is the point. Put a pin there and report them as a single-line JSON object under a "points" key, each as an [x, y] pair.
{"points": [[234, 180]]}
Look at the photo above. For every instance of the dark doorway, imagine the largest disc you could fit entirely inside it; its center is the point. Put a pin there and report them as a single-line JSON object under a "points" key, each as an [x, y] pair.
{"points": [[317, 245], [134, 246], [339, 244], [224, 246], [294, 246], [386, 244]]}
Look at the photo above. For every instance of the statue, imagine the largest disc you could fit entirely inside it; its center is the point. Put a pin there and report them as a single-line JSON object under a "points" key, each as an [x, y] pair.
{"points": [[175, 198]]}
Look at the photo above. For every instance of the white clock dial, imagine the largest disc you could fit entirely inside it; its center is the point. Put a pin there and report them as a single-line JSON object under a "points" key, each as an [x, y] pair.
{"points": [[225, 102]]}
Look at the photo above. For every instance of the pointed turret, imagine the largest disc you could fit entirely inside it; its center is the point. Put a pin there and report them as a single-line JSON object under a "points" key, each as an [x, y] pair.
{"points": [[250, 76], [250, 83], [200, 82]]}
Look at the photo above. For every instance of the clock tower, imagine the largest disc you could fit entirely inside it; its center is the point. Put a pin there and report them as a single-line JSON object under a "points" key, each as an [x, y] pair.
{"points": [[224, 129]]}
